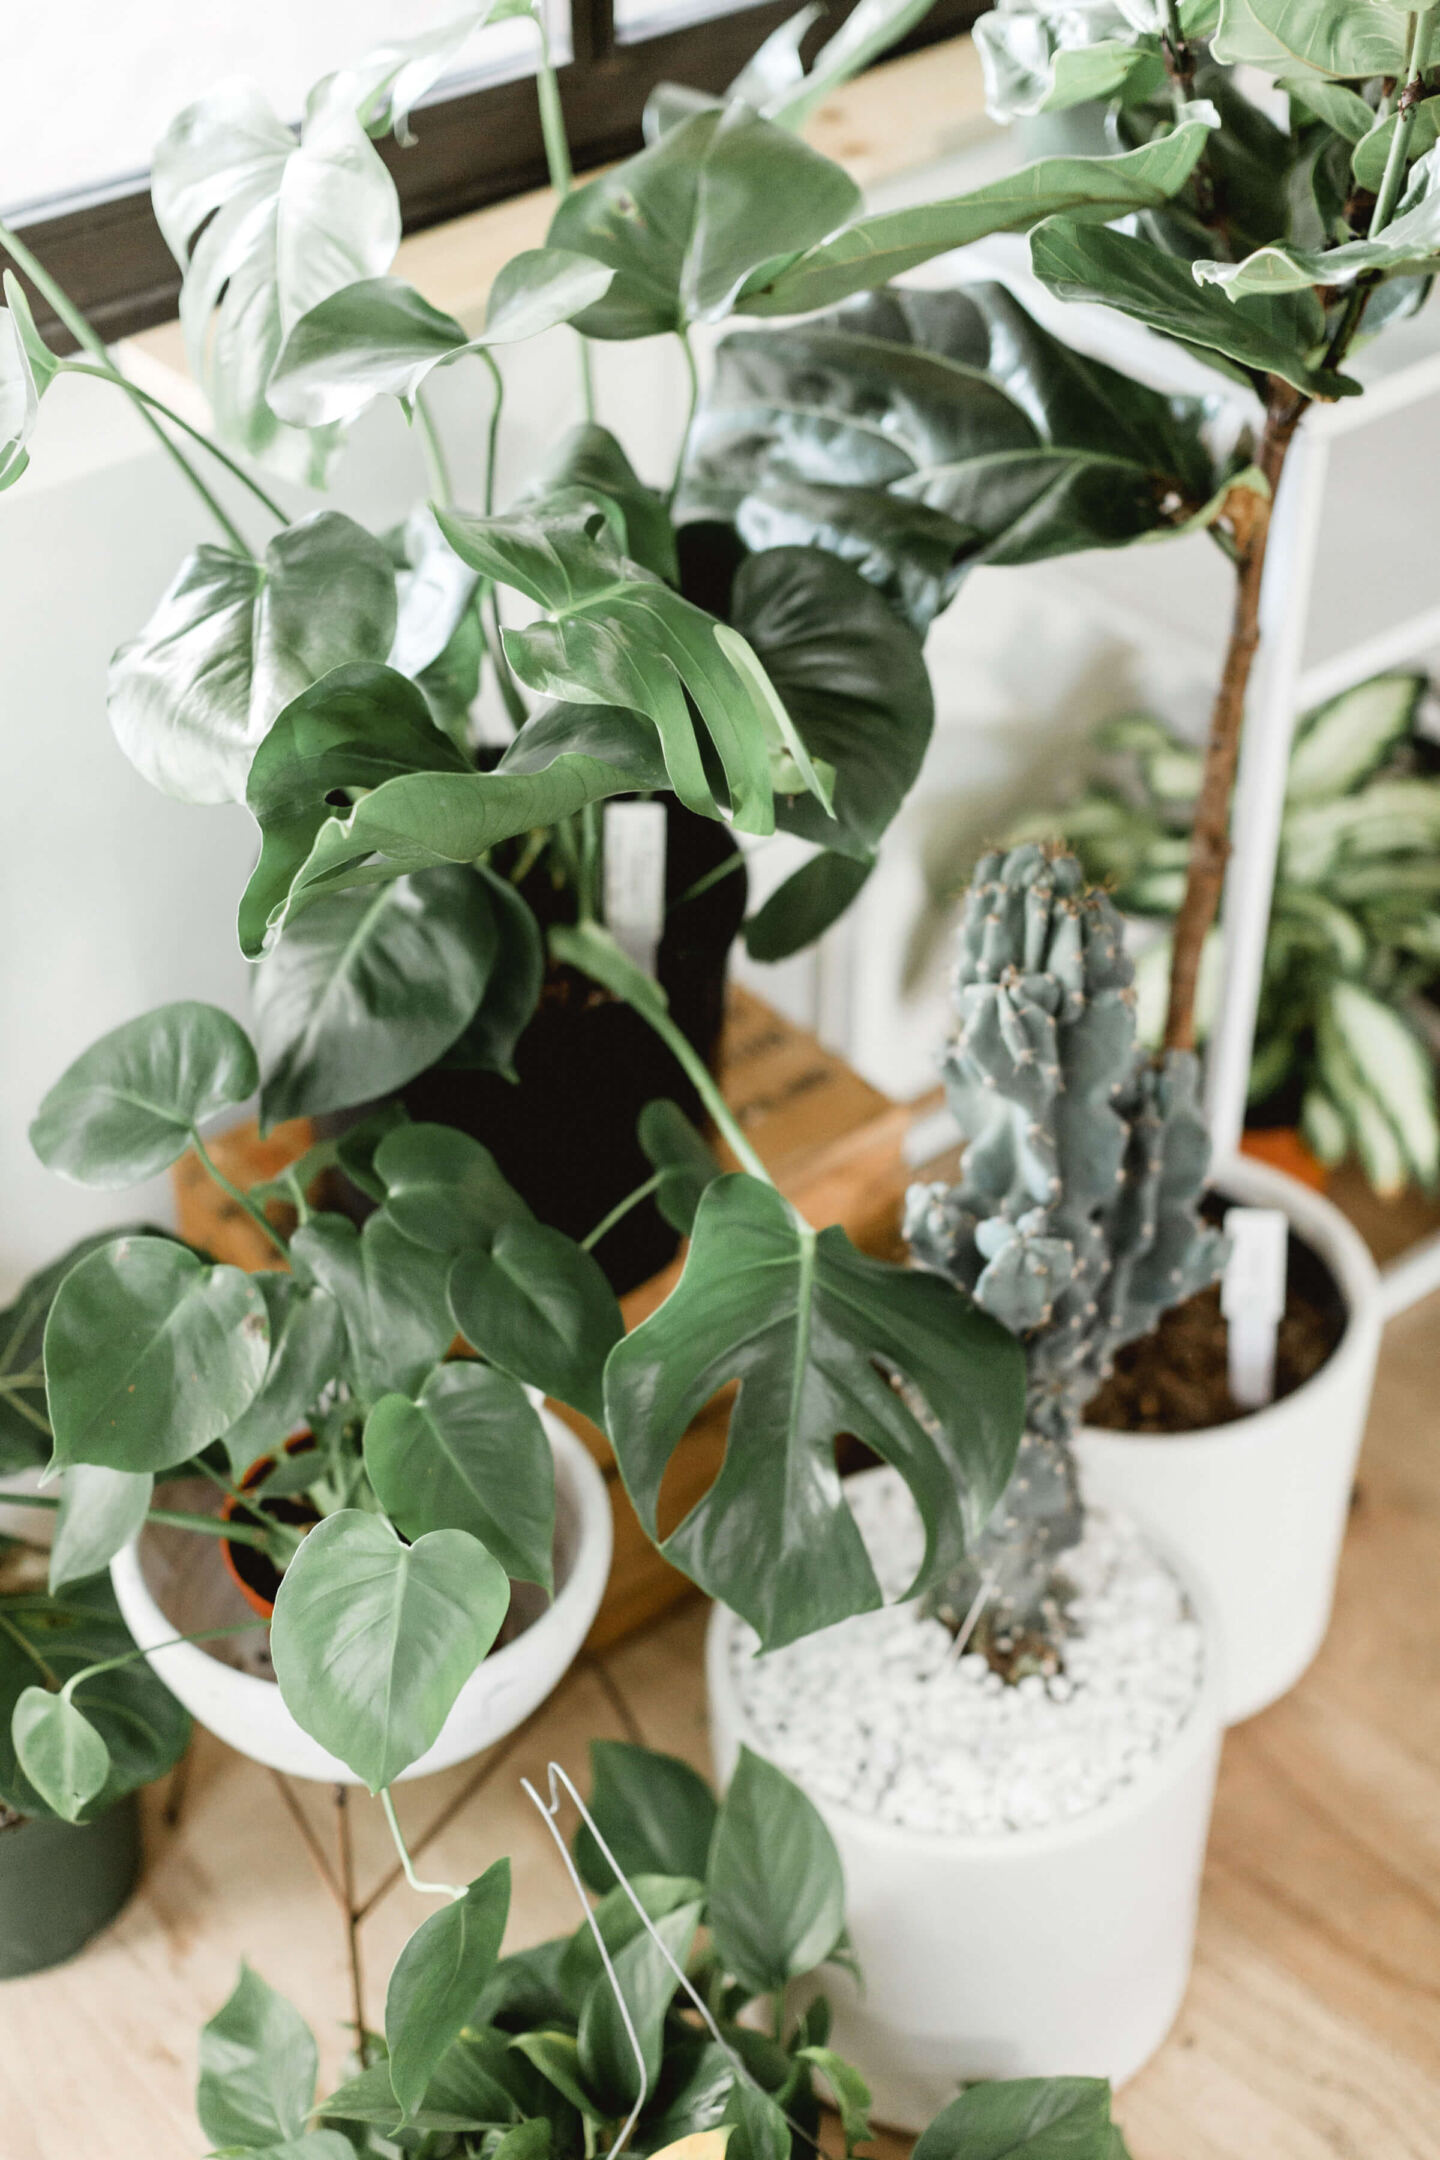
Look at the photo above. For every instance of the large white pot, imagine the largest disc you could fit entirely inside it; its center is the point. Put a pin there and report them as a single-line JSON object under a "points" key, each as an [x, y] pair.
{"points": [[247, 1711], [1259, 1507], [1063, 1951]]}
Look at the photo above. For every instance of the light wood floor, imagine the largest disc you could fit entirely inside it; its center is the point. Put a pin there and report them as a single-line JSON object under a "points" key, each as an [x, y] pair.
{"points": [[1312, 2028]]}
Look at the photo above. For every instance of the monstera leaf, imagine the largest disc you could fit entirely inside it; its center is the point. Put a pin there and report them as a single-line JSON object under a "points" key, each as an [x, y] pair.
{"points": [[916, 433], [234, 640], [810, 1328], [589, 463]]}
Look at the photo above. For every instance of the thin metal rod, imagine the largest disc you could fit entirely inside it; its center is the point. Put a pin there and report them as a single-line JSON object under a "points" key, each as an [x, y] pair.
{"points": [[496, 1760], [321, 1859]]}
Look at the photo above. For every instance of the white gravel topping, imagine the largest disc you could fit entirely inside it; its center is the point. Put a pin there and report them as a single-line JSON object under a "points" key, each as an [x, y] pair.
{"points": [[879, 1715]]}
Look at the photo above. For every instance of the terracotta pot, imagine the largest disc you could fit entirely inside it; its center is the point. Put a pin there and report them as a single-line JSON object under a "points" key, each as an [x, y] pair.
{"points": [[240, 1560], [1282, 1147]]}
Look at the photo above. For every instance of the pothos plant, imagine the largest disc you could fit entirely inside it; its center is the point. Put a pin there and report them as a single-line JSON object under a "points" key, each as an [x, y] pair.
{"points": [[646, 2027]]}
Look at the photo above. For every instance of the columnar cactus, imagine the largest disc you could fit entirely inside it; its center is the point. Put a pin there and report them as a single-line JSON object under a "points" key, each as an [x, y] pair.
{"points": [[1074, 1221]]}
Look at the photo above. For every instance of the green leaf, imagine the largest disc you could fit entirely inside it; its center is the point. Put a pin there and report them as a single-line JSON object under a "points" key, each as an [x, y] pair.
{"points": [[1372, 151], [369, 987], [777, 1895], [1410, 242], [1092, 263], [130, 1104], [150, 1355], [1354, 38], [1043, 58], [472, 1455], [1343, 742], [1065, 2118], [437, 1978], [380, 337], [849, 2091], [538, 1306], [589, 461], [234, 640], [647, 1982], [19, 388], [24, 1429], [257, 2069], [670, 1143], [487, 1043], [391, 1295], [443, 1189], [307, 1348], [263, 228], [59, 1751], [685, 221], [557, 2057], [655, 1813], [882, 247], [1345, 111], [397, 74], [760, 2131], [867, 31], [373, 1639], [618, 1922], [439, 641], [805, 906], [801, 1320], [100, 1511], [1394, 1069], [355, 730]]}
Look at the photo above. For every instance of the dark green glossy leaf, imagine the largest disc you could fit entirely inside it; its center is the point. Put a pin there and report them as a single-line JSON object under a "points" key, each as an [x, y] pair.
{"points": [[524, 1991], [777, 1896], [307, 1348], [373, 1639], [801, 910], [436, 1980], [1066, 2118], [682, 1156], [257, 2069], [369, 987], [478, 2082], [759, 2129], [1353, 38], [100, 1511], [233, 641], [59, 1750], [619, 1923], [391, 1295], [557, 2058], [589, 460], [540, 1308], [849, 2091], [647, 1982], [472, 1455], [150, 1355], [487, 1043], [685, 221], [129, 1105], [443, 1189], [801, 1319], [654, 1812]]}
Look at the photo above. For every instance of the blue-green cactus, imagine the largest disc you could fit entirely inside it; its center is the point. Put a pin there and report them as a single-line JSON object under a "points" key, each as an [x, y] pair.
{"points": [[1075, 1217]]}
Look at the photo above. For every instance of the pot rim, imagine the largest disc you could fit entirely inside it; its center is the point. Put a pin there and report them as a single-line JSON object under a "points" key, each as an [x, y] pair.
{"points": [[1202, 1730]]}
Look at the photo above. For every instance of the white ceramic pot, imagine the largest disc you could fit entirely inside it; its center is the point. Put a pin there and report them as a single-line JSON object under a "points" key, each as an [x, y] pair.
{"points": [[247, 1712], [1258, 1508], [1063, 1951]]}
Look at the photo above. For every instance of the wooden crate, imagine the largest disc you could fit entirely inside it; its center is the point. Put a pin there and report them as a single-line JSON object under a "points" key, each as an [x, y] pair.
{"points": [[830, 1140]]}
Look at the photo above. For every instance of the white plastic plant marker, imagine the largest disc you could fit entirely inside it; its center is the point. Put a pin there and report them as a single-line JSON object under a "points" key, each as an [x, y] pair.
{"points": [[635, 878], [1252, 1298]]}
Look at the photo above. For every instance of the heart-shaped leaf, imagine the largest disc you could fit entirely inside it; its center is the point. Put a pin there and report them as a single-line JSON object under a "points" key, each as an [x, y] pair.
{"points": [[469, 1454], [150, 1355], [806, 1323], [100, 1511], [655, 1813], [59, 1750], [258, 2062], [540, 1308], [672, 1146], [1063, 2118], [233, 641], [24, 1426], [437, 1980], [777, 1894], [307, 1347], [647, 1981], [444, 1189], [131, 1103], [391, 1295], [374, 1639]]}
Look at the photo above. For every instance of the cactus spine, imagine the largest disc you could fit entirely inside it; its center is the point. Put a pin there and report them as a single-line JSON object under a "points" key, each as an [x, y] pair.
{"points": [[1074, 1220]]}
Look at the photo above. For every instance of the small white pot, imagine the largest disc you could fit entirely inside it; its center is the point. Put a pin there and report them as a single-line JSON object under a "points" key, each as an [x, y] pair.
{"points": [[1258, 1507], [247, 1712], [1062, 1951]]}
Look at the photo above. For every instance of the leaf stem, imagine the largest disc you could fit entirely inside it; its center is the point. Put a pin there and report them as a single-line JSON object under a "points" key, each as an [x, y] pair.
{"points": [[694, 374], [618, 1213], [492, 436], [242, 1199], [175, 1518], [436, 463], [427, 1889], [1397, 157], [562, 172], [128, 1657], [206, 442], [18, 1636]]}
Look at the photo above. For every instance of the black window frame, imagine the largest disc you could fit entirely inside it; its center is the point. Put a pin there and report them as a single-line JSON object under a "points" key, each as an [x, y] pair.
{"points": [[477, 147]]}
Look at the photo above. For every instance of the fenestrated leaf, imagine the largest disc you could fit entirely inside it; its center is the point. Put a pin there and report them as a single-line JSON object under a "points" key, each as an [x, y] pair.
{"points": [[803, 1321], [881, 247], [1353, 38], [437, 1978], [443, 1189], [685, 221], [130, 1104], [1060, 2118], [59, 1750], [150, 1355], [234, 640], [647, 1982], [805, 906], [258, 2062], [391, 1295], [1080, 262], [776, 1891], [369, 987], [538, 1306], [307, 1347], [469, 1454], [380, 337], [373, 1639], [100, 1510], [1409, 243], [671, 1145], [589, 460], [655, 1813]]}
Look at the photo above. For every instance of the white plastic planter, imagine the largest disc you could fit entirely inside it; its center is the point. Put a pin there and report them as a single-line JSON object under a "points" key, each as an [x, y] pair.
{"points": [[247, 1712], [1063, 1951], [1258, 1507]]}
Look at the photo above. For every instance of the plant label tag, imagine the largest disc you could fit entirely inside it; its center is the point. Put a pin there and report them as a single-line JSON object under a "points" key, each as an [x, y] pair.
{"points": [[1252, 1298], [635, 878]]}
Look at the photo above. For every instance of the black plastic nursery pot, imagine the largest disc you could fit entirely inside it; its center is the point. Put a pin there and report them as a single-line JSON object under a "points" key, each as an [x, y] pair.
{"points": [[60, 1884]]}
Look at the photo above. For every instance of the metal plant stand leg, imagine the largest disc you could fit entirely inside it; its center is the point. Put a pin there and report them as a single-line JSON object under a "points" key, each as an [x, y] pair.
{"points": [[352, 1913]]}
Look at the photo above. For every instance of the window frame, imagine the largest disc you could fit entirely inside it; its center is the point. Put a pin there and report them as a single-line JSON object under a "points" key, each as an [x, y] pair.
{"points": [[477, 147]]}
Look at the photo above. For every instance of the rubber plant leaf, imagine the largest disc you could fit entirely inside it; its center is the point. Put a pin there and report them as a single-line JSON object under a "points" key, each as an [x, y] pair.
{"points": [[1340, 38], [443, 1189], [373, 1639], [150, 1355], [655, 1813], [538, 1305], [436, 1980], [258, 2063], [131, 1103], [685, 221], [805, 1323], [100, 1511], [391, 1295], [776, 1891], [469, 1453], [1061, 2118]]}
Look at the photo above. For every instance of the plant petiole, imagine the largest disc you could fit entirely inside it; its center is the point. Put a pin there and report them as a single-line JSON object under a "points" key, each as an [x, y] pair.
{"points": [[242, 1199], [620, 1211], [427, 1889]]}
